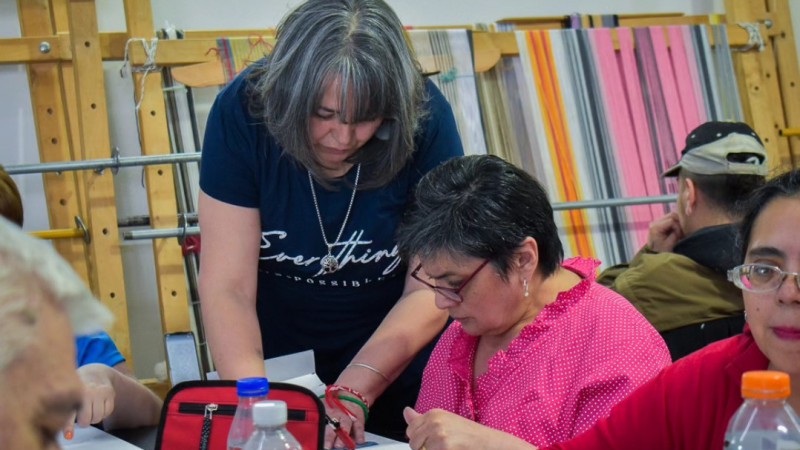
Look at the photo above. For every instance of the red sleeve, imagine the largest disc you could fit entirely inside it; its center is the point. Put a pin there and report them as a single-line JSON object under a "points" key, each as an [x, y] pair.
{"points": [[638, 422]]}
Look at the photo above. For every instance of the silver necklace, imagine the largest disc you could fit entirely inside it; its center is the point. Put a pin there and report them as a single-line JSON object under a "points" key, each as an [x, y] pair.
{"points": [[329, 262]]}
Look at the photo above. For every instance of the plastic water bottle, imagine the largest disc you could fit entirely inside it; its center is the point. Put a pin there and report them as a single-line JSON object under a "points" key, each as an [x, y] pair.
{"points": [[250, 391], [764, 421], [271, 432]]}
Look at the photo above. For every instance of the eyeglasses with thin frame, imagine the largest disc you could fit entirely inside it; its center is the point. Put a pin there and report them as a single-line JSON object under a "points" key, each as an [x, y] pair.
{"points": [[760, 278], [453, 294]]}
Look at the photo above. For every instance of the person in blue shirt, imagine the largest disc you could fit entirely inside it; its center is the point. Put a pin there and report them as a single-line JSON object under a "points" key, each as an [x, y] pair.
{"points": [[309, 159], [112, 394]]}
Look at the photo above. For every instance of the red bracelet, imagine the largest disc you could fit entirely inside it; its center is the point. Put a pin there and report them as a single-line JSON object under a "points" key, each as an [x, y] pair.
{"points": [[334, 402], [353, 392]]}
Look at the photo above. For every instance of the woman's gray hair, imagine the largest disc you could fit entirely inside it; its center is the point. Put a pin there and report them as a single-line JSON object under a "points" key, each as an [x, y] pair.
{"points": [[360, 43], [32, 272]]}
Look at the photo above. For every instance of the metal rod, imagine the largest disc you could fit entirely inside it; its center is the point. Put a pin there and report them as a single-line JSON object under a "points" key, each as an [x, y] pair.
{"points": [[144, 221], [630, 201], [102, 164], [160, 233]]}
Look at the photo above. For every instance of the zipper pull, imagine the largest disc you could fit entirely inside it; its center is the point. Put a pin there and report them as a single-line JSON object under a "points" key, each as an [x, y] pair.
{"points": [[208, 415]]}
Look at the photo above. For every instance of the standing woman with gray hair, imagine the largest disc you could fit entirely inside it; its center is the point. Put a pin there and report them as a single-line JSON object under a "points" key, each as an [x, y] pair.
{"points": [[309, 159]]}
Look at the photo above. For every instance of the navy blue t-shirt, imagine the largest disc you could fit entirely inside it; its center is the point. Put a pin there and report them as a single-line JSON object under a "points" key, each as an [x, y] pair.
{"points": [[299, 306]]}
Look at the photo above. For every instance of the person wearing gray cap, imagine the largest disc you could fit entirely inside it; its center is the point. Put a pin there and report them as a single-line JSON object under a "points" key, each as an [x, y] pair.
{"points": [[678, 280]]}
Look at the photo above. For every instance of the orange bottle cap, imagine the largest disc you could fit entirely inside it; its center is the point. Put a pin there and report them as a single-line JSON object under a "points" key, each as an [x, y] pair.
{"points": [[765, 385]]}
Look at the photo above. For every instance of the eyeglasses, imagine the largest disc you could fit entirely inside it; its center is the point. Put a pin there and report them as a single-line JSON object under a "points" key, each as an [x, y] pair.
{"points": [[760, 278], [453, 294]]}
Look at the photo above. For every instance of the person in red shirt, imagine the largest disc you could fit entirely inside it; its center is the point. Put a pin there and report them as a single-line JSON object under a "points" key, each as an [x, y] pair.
{"points": [[689, 405], [537, 349]]}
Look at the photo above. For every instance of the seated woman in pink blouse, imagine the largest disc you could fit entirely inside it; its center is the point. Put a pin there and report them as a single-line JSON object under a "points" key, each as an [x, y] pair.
{"points": [[536, 349]]}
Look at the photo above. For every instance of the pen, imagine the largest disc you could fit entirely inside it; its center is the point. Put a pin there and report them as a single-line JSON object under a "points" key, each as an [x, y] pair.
{"points": [[343, 435]]}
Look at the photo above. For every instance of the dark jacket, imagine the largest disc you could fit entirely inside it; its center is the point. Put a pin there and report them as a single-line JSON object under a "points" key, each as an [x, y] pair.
{"points": [[685, 287]]}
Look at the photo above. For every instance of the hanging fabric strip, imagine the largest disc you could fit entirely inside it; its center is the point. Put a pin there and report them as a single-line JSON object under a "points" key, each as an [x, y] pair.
{"points": [[707, 73], [683, 74], [598, 144], [496, 114], [547, 83], [572, 89], [694, 74], [644, 134], [726, 75], [664, 143], [449, 52], [667, 73], [621, 132]]}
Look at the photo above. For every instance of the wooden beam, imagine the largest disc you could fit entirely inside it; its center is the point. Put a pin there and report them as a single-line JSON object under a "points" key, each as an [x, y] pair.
{"points": [[30, 49], [757, 77], [161, 196], [50, 116], [94, 143], [788, 73]]}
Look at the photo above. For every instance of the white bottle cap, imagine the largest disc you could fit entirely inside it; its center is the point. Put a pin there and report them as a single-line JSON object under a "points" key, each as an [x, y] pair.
{"points": [[269, 413]]}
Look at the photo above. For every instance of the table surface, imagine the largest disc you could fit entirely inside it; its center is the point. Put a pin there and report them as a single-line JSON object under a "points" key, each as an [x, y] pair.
{"points": [[144, 438]]}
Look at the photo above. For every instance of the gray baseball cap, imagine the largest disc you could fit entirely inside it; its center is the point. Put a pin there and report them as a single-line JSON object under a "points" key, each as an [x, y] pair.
{"points": [[722, 148]]}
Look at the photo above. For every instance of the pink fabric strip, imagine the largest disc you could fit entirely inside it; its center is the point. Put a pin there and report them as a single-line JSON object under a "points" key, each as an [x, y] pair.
{"points": [[621, 132], [669, 87], [683, 78], [641, 126], [694, 74]]}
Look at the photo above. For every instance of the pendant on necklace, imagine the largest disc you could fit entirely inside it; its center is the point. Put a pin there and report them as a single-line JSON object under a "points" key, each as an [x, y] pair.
{"points": [[329, 262]]}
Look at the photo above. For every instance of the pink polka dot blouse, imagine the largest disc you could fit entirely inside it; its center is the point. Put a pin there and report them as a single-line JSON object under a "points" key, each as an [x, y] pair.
{"points": [[581, 355]]}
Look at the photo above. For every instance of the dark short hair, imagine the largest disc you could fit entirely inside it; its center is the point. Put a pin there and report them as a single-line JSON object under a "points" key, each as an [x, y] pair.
{"points": [[483, 207], [10, 200], [725, 193], [785, 185], [363, 44]]}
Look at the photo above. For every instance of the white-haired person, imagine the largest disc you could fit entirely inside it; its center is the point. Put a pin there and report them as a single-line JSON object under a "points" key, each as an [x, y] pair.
{"points": [[100, 363], [43, 305]]}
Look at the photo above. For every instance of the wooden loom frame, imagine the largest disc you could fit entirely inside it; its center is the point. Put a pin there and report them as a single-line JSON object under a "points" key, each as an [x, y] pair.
{"points": [[64, 52]]}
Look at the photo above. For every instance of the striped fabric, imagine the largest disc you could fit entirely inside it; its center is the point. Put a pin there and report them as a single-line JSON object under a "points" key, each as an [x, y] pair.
{"points": [[449, 52], [600, 113]]}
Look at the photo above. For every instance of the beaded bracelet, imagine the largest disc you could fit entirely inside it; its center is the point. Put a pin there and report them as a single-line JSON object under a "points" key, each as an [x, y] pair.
{"points": [[353, 400], [334, 400], [355, 393]]}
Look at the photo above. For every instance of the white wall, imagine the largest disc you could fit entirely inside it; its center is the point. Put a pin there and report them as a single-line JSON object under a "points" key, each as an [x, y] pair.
{"points": [[19, 138]]}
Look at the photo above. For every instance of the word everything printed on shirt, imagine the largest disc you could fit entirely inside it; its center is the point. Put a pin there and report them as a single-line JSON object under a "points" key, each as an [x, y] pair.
{"points": [[354, 250]]}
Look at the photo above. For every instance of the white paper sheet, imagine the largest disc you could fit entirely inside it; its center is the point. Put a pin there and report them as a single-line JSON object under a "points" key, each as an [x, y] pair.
{"points": [[91, 438], [384, 443], [297, 368]]}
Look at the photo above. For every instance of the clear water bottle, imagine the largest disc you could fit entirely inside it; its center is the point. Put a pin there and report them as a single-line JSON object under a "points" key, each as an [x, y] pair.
{"points": [[271, 432], [764, 421], [250, 391]]}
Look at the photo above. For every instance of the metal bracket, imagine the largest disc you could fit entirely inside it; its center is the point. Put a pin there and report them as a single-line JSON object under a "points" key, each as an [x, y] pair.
{"points": [[87, 238]]}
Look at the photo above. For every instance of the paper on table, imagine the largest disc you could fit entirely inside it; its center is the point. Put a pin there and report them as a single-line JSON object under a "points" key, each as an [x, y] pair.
{"points": [[297, 368], [91, 438], [384, 443]]}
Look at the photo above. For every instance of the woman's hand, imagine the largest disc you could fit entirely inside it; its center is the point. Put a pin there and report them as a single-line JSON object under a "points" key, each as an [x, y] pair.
{"points": [[98, 396], [353, 427], [441, 430]]}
